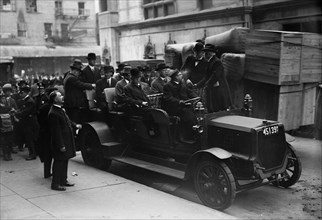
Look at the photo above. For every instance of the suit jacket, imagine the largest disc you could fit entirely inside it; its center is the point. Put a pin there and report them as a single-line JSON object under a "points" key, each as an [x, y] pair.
{"points": [[195, 73], [101, 85], [134, 94], [157, 85], [62, 134], [119, 91], [88, 76], [172, 94], [75, 96]]}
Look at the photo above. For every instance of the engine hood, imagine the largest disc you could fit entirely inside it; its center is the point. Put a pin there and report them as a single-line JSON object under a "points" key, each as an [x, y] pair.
{"points": [[241, 123]]}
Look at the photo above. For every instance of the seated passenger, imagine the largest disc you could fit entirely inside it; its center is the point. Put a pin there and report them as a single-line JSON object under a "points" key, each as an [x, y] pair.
{"points": [[135, 97], [105, 82], [175, 93], [158, 84], [119, 88]]}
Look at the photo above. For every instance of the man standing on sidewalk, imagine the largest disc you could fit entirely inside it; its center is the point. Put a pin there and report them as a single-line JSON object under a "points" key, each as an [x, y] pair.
{"points": [[62, 141]]}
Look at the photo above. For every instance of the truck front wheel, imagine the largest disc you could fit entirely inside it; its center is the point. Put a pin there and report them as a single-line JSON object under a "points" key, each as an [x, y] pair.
{"points": [[214, 184]]}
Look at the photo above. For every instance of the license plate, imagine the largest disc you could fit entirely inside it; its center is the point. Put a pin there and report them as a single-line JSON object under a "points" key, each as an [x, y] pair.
{"points": [[270, 130]]}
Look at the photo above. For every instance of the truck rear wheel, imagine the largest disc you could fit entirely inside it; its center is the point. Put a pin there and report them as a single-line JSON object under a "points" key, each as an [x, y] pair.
{"points": [[91, 149], [214, 184]]}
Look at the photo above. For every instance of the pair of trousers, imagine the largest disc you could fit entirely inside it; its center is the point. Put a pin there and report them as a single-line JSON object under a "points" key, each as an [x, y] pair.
{"points": [[59, 172]]}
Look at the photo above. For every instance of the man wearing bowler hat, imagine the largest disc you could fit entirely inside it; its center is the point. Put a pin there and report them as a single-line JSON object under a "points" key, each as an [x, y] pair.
{"points": [[75, 100], [196, 65], [27, 121], [218, 96], [158, 83], [90, 73]]}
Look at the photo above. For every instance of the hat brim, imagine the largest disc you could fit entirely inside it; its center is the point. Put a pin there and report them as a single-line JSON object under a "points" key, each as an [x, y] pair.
{"points": [[76, 68], [209, 50]]}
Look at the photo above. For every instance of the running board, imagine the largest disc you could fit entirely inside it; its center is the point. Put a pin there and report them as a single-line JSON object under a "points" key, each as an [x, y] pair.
{"points": [[150, 166]]}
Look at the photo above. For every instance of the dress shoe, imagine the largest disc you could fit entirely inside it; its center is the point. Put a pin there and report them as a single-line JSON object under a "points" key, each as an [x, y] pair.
{"points": [[58, 188], [47, 175], [31, 158], [187, 141], [69, 184]]}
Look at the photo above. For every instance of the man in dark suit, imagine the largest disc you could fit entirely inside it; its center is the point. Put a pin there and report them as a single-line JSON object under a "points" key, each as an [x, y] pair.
{"points": [[119, 89], [62, 141], [106, 82], [218, 95], [28, 127], [90, 74], [134, 94], [175, 94], [158, 83], [76, 103]]}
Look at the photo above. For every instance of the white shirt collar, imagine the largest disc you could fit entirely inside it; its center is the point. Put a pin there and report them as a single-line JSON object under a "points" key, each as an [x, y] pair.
{"points": [[127, 81], [92, 67]]}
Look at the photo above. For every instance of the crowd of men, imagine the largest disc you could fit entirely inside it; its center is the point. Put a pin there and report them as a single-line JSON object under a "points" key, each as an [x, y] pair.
{"points": [[43, 118]]}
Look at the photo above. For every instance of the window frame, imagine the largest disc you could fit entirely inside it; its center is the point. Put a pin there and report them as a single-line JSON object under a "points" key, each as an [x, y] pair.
{"points": [[21, 29], [31, 9], [51, 29], [154, 6], [12, 6]]}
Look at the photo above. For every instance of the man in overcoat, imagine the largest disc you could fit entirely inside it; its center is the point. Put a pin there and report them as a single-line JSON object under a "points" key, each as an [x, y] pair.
{"points": [[28, 127], [218, 95], [90, 74], [62, 141], [175, 94], [106, 82], [158, 83], [75, 102], [119, 89]]}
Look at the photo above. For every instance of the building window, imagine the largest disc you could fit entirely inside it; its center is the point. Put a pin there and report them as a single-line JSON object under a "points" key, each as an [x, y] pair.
{"points": [[64, 31], [204, 4], [48, 31], [81, 8], [31, 6], [158, 8], [7, 5], [58, 7], [22, 29], [103, 5]]}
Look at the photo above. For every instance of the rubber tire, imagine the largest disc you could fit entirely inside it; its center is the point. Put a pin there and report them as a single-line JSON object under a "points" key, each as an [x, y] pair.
{"points": [[205, 169], [294, 173], [91, 149]]}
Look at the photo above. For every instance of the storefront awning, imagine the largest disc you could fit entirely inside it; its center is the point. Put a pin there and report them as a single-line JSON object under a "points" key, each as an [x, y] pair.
{"points": [[43, 51]]}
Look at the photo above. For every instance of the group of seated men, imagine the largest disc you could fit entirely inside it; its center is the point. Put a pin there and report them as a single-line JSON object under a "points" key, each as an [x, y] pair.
{"points": [[131, 93]]}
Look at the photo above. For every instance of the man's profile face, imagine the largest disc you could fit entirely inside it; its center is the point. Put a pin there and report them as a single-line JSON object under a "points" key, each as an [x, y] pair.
{"points": [[59, 98]]}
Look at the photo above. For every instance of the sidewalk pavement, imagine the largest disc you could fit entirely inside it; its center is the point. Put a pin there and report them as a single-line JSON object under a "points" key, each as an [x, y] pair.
{"points": [[25, 194]]}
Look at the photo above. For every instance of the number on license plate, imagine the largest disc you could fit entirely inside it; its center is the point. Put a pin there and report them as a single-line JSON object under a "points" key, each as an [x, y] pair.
{"points": [[270, 130]]}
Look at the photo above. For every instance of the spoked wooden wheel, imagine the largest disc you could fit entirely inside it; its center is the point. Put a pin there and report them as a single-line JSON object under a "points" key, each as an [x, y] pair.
{"points": [[91, 149], [214, 184], [293, 170]]}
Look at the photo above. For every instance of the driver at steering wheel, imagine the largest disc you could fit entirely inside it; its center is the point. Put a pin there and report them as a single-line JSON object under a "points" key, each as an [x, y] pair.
{"points": [[175, 93]]}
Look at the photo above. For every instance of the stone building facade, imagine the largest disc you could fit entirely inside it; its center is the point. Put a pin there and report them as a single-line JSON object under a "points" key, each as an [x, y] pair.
{"points": [[43, 36], [127, 26]]}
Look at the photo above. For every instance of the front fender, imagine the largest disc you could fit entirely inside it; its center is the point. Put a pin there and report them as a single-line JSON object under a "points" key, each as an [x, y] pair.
{"points": [[102, 130], [215, 152]]}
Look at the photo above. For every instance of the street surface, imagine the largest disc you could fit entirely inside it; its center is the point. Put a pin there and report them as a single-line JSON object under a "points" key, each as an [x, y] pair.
{"points": [[127, 192]]}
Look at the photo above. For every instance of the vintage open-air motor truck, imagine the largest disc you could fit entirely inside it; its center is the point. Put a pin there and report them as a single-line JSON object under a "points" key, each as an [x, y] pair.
{"points": [[231, 152]]}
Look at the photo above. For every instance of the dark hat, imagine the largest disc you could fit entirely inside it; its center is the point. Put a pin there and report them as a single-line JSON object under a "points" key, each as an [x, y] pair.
{"points": [[25, 89], [77, 64], [209, 47], [161, 66], [198, 47], [135, 72], [172, 73], [22, 83], [108, 69], [50, 89], [91, 56], [127, 70]]}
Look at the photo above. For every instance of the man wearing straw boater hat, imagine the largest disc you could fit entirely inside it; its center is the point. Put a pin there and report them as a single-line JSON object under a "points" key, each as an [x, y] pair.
{"points": [[218, 96]]}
